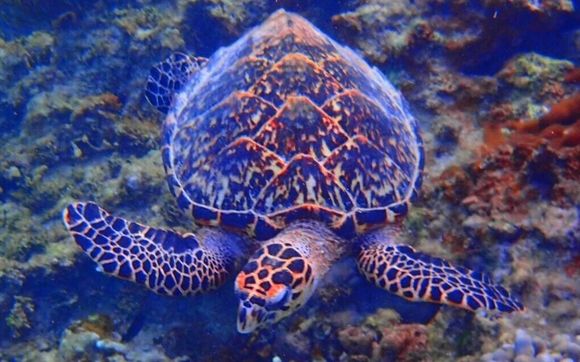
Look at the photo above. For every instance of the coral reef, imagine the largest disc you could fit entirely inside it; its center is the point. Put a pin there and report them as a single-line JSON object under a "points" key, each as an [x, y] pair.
{"points": [[560, 348], [498, 103], [18, 321], [471, 37], [382, 338]]}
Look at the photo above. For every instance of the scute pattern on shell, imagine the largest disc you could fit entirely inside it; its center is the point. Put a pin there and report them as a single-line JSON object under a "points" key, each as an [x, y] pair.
{"points": [[286, 124]]}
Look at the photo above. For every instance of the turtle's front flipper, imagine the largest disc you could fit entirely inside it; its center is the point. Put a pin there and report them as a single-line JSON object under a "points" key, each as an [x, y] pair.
{"points": [[168, 77], [419, 277], [162, 260]]}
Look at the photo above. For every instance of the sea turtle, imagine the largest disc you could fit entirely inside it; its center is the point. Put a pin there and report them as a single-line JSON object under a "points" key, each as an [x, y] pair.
{"points": [[290, 149]]}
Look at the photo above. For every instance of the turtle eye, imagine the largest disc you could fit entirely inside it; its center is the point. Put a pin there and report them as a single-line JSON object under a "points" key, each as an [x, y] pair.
{"points": [[278, 298]]}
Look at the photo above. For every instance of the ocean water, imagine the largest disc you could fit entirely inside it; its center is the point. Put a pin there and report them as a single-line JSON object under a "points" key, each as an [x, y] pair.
{"points": [[491, 92]]}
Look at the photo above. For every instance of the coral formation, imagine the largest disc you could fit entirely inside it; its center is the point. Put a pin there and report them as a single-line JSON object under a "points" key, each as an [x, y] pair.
{"points": [[500, 119], [468, 36], [560, 348], [383, 338], [18, 320]]}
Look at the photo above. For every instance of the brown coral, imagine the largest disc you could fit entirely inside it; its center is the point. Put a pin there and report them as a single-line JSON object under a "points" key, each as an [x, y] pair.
{"points": [[405, 342], [520, 162], [560, 127], [573, 76], [455, 183], [573, 268], [100, 324], [356, 340], [100, 104]]}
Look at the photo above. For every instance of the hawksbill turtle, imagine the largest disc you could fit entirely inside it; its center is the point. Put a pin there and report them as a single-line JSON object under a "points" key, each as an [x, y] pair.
{"points": [[289, 148]]}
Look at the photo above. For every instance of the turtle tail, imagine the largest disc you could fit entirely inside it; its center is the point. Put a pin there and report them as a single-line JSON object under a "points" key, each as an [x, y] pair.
{"points": [[168, 77]]}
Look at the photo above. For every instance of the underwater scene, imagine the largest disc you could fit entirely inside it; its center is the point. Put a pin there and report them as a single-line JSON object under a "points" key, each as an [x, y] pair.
{"points": [[282, 180]]}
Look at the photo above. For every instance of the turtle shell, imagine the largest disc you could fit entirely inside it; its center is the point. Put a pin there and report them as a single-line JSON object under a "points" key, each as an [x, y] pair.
{"points": [[286, 124]]}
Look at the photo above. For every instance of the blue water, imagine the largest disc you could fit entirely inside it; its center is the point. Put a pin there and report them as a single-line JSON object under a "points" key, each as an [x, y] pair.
{"points": [[498, 199]]}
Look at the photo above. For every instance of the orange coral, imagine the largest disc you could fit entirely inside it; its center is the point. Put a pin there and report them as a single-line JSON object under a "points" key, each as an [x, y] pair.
{"points": [[565, 112], [560, 127], [406, 342], [454, 183], [522, 160], [573, 268], [97, 104], [573, 76]]}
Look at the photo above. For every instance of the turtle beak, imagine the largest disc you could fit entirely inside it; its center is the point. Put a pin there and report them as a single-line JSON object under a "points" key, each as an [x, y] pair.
{"points": [[250, 317]]}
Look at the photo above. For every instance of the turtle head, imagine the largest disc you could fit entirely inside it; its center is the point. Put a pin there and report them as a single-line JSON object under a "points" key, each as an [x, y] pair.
{"points": [[276, 281]]}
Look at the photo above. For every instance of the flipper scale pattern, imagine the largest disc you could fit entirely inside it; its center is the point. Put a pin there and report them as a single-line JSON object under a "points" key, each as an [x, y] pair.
{"points": [[419, 277], [162, 260]]}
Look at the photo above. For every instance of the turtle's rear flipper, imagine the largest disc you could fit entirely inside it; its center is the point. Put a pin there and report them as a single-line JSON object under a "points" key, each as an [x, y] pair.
{"points": [[419, 277], [162, 260], [168, 77]]}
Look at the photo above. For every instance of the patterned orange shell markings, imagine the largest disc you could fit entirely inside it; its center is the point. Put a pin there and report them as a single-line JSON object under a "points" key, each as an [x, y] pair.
{"points": [[294, 130]]}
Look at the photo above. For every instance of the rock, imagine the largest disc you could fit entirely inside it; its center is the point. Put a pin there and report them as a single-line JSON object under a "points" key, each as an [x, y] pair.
{"points": [[504, 230], [298, 344], [576, 327], [356, 340], [539, 345], [502, 355], [488, 357], [19, 317], [560, 339], [505, 353], [556, 224], [13, 173], [382, 318], [531, 70], [570, 349], [508, 348], [475, 225], [545, 357], [110, 347], [523, 344], [406, 342]]}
